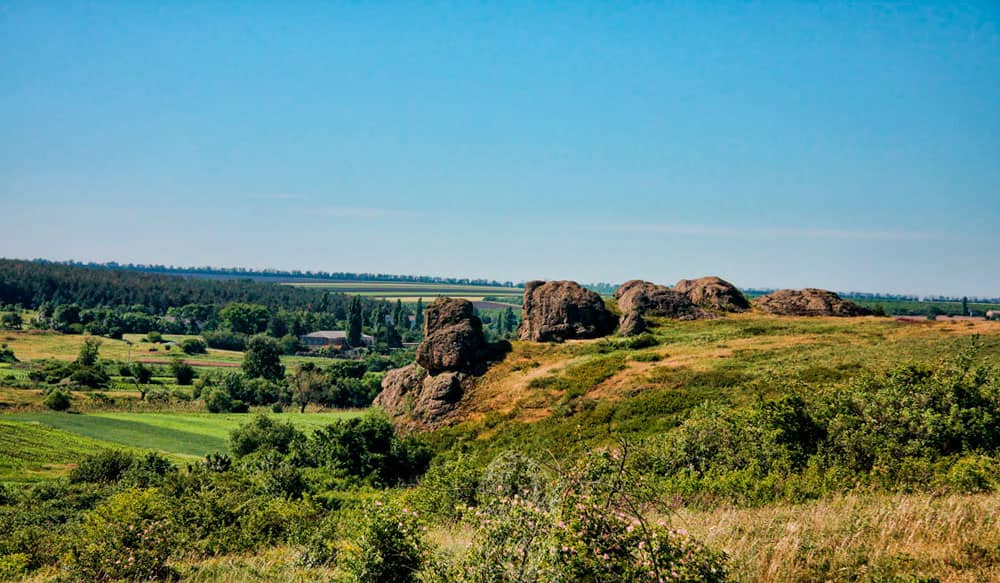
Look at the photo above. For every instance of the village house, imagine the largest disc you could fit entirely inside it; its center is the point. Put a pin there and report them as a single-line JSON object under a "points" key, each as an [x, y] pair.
{"points": [[335, 338]]}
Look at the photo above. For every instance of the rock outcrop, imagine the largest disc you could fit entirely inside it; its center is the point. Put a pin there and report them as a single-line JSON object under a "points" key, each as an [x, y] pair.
{"points": [[416, 399], [713, 293], [648, 299], [808, 302], [452, 352], [561, 310], [453, 337]]}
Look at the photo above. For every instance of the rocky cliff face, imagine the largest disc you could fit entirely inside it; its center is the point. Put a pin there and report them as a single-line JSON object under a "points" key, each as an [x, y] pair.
{"points": [[454, 349], [561, 310], [713, 293], [808, 302]]}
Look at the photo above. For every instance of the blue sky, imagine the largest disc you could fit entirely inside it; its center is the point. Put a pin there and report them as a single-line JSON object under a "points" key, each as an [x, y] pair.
{"points": [[851, 146]]}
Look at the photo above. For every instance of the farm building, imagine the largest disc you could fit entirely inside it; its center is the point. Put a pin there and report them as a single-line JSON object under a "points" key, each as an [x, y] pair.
{"points": [[993, 315], [337, 338]]}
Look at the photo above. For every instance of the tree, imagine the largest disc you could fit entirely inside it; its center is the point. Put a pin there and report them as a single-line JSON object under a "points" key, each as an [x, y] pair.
{"points": [[510, 320], [12, 320], [354, 321], [307, 385], [57, 400], [88, 351], [142, 375], [397, 314], [965, 306], [182, 371], [194, 346], [245, 318], [263, 358], [418, 318]]}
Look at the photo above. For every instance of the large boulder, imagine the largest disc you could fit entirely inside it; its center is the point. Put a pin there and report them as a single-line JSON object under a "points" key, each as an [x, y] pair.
{"points": [[808, 302], [561, 310], [453, 337], [416, 399], [713, 293], [648, 299]]}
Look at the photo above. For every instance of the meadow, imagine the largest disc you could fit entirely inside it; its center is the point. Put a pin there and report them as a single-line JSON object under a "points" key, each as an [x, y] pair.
{"points": [[722, 392], [411, 292]]}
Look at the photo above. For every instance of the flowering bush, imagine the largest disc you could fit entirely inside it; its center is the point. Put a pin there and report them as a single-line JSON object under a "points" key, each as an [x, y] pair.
{"points": [[129, 536], [389, 545]]}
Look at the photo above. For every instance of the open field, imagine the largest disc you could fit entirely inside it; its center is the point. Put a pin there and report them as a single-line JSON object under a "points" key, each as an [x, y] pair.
{"points": [[31, 452], [190, 434], [411, 292]]}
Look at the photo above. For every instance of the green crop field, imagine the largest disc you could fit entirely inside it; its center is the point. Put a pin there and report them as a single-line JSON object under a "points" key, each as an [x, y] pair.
{"points": [[411, 292], [31, 451], [183, 434]]}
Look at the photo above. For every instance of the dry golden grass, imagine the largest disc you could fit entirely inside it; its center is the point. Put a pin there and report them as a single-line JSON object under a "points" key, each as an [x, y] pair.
{"points": [[749, 345], [955, 538]]}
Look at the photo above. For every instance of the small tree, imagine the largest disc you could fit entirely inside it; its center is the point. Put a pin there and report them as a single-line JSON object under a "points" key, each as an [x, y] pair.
{"points": [[307, 385], [354, 321], [57, 400], [88, 351], [263, 359], [142, 375], [182, 371], [194, 346]]}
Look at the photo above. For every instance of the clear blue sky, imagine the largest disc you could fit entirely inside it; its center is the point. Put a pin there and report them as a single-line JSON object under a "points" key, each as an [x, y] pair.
{"points": [[850, 146]]}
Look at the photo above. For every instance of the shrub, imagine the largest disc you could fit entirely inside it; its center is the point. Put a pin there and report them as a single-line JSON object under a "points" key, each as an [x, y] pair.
{"points": [[388, 545], [217, 400], [154, 337], [194, 346], [129, 536], [57, 400], [182, 371], [263, 432], [225, 340], [107, 467]]}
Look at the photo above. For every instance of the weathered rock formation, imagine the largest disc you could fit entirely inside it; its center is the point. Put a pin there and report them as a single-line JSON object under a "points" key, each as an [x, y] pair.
{"points": [[808, 302], [453, 350], [416, 399], [648, 299], [453, 337], [562, 310], [713, 293]]}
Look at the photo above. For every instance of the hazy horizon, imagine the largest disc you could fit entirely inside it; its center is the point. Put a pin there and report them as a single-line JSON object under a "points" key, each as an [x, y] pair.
{"points": [[851, 147]]}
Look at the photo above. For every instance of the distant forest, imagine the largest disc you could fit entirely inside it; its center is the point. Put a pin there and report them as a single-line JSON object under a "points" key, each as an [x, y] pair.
{"points": [[280, 276]]}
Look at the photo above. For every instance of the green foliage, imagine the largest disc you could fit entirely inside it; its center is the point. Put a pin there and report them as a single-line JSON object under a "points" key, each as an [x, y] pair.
{"points": [[194, 346], [263, 359], [367, 447], [588, 524], [245, 318], [88, 352], [182, 371], [7, 355], [57, 400], [218, 400], [154, 336], [130, 536], [104, 467], [225, 340], [263, 433], [387, 544]]}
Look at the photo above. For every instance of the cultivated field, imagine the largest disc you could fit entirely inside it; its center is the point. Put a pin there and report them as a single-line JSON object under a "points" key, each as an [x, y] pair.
{"points": [[411, 292]]}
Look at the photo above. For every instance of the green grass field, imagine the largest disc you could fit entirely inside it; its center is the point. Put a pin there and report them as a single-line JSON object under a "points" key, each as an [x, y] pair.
{"points": [[42, 445]]}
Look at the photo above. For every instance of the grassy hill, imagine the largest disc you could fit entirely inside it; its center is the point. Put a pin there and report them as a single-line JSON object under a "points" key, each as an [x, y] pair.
{"points": [[570, 395]]}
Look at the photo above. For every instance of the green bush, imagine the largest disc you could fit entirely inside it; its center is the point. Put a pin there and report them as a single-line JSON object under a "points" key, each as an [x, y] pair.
{"points": [[182, 371], [130, 536], [14, 566], [263, 433], [194, 346], [106, 467], [387, 544], [57, 400]]}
